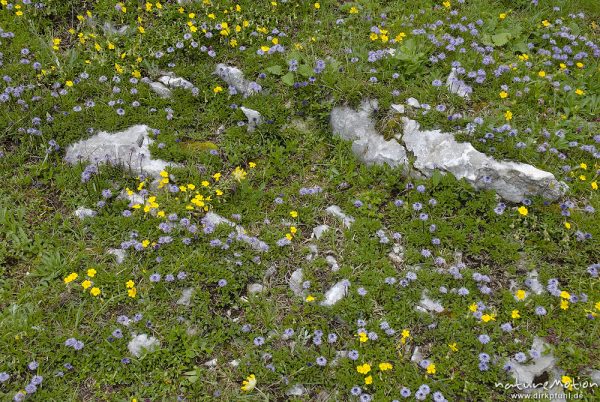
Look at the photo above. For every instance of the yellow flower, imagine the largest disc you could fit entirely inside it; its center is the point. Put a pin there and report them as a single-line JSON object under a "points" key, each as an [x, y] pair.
{"points": [[567, 225], [567, 381], [217, 89], [132, 292], [431, 369], [158, 5], [520, 294], [289, 236], [565, 295], [141, 29], [249, 383], [293, 229], [239, 174], [594, 185], [542, 74], [369, 380], [502, 16], [523, 210], [86, 284], [545, 23], [91, 272], [95, 291], [218, 193], [145, 243], [251, 165], [579, 91], [597, 305], [562, 66], [69, 84], [488, 318], [453, 347], [310, 298], [385, 366], [579, 65], [216, 176], [373, 36], [515, 314], [473, 307], [71, 277], [364, 368], [508, 115], [204, 184], [503, 94], [582, 177], [446, 4], [317, 6], [353, 10], [405, 333], [564, 305], [362, 337], [293, 214]]}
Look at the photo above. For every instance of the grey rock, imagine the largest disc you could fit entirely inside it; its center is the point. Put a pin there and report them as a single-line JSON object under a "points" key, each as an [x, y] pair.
{"points": [[211, 363], [160, 89], [128, 148], [172, 81], [398, 108], [336, 211], [457, 86], [255, 288], [332, 262], [295, 282], [435, 150], [335, 293], [110, 29], [83, 213], [214, 219], [428, 305], [534, 283], [186, 297], [118, 253], [141, 343], [254, 118], [234, 77], [296, 390], [413, 102], [318, 231], [367, 144]]}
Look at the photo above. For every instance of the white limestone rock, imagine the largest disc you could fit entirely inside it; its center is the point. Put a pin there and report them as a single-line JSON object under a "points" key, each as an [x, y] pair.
{"points": [[295, 282], [255, 288], [367, 144], [534, 283], [83, 213], [296, 390], [234, 77], [186, 297], [336, 212], [336, 293], [332, 262], [118, 253], [172, 81], [160, 89], [428, 305], [457, 86], [128, 148], [214, 219], [318, 231], [254, 118], [434, 150], [140, 343]]}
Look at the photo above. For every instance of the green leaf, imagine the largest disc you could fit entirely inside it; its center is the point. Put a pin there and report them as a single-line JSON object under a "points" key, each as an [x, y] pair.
{"points": [[305, 70], [501, 39], [277, 70], [288, 79]]}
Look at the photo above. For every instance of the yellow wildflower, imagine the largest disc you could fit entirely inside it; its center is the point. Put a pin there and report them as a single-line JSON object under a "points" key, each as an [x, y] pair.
{"points": [[515, 314], [249, 383], [95, 291], [86, 284], [523, 210], [364, 368], [91, 272], [71, 277], [385, 366]]}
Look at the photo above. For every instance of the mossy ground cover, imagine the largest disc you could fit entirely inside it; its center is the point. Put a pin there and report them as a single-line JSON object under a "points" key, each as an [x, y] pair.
{"points": [[69, 310]]}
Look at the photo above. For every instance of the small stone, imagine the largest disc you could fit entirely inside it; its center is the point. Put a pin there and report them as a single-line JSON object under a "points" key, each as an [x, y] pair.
{"points": [[457, 86], [141, 343], [335, 293], [332, 262], [413, 102], [398, 108], [428, 305], [160, 89], [186, 297], [172, 81], [118, 253], [254, 118], [83, 213], [295, 282], [255, 288], [336, 211], [296, 390], [318, 231]]}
